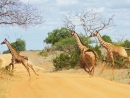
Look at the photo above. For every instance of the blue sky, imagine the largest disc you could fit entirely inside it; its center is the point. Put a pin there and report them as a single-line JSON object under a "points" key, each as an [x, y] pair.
{"points": [[54, 11]]}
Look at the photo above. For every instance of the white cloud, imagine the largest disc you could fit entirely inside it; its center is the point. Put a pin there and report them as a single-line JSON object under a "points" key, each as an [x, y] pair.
{"points": [[98, 10], [128, 1], [34, 1], [67, 2]]}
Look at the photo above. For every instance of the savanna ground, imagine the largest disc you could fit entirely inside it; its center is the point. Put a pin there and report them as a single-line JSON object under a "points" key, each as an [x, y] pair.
{"points": [[73, 83]]}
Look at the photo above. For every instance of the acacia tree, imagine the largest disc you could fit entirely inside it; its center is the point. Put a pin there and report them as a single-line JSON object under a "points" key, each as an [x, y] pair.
{"points": [[57, 35], [14, 12], [88, 20], [107, 38]]}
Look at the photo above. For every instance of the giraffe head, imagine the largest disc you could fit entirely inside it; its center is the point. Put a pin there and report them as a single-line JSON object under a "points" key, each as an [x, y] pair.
{"points": [[4, 41], [94, 34], [72, 33]]}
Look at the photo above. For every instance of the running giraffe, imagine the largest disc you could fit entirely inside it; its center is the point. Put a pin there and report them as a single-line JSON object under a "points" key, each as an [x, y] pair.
{"points": [[112, 50], [86, 54], [17, 58]]}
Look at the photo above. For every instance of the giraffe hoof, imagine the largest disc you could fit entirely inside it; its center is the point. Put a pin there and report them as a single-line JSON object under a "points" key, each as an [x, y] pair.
{"points": [[11, 74], [90, 76], [29, 79]]}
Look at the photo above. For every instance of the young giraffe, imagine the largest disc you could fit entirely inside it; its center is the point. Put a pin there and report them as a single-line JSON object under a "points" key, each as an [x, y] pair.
{"points": [[86, 54], [112, 50], [17, 58]]}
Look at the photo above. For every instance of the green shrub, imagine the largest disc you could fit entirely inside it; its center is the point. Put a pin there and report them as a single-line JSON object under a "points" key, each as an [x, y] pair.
{"points": [[120, 62], [61, 61], [43, 53], [98, 51], [65, 61], [75, 58]]}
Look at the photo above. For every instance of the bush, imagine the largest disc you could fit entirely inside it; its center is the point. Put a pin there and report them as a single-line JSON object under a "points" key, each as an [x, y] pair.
{"points": [[98, 51], [75, 58], [61, 61], [43, 53], [64, 61], [120, 62], [5, 52]]}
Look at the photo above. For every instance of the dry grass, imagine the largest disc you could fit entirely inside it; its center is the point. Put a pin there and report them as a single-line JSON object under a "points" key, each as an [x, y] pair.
{"points": [[1, 62]]}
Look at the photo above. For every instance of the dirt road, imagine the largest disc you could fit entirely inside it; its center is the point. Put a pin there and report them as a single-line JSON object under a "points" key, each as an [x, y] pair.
{"points": [[61, 85]]}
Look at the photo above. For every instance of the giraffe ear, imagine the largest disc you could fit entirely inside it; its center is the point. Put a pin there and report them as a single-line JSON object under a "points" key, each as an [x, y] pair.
{"points": [[73, 31], [97, 31]]}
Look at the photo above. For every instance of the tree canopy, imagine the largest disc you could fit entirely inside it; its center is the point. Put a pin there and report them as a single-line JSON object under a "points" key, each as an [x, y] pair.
{"points": [[14, 12], [60, 40], [107, 38], [57, 35]]}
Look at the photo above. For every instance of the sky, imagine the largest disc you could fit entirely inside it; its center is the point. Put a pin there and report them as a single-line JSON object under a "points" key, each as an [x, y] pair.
{"points": [[54, 11]]}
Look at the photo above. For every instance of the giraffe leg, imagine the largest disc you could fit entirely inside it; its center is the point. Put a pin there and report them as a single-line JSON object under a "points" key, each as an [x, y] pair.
{"points": [[108, 57], [92, 71], [12, 69], [93, 68], [33, 69], [112, 64], [2, 71], [86, 69], [28, 71], [27, 68], [92, 60], [86, 66], [12, 63], [103, 68], [83, 65], [6, 68]]}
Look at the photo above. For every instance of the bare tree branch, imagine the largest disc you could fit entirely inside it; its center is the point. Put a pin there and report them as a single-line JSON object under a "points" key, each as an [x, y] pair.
{"points": [[14, 12], [68, 22], [88, 20], [105, 24]]}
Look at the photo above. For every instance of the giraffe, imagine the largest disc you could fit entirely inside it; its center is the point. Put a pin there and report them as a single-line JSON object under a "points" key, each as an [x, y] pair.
{"points": [[86, 54], [112, 50], [17, 58]]}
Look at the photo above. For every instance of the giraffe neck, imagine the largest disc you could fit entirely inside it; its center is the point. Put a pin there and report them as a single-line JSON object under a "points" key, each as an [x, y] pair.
{"points": [[102, 42], [11, 49], [80, 44]]}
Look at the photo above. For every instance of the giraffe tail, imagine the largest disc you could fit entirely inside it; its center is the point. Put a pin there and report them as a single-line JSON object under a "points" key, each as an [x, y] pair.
{"points": [[96, 55], [128, 58]]}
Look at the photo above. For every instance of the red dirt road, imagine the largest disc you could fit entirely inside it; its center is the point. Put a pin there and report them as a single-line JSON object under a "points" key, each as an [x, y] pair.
{"points": [[63, 85], [60, 85]]}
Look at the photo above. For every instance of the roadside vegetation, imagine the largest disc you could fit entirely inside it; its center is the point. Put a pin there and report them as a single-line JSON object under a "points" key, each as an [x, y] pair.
{"points": [[70, 56]]}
